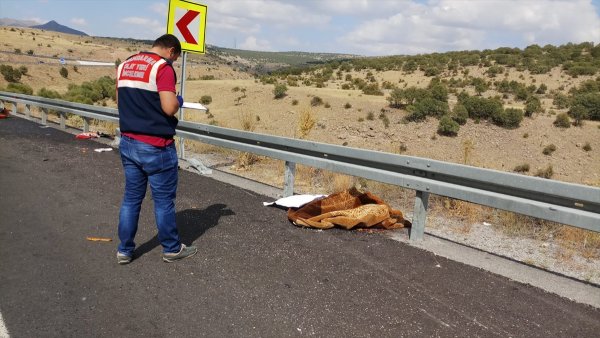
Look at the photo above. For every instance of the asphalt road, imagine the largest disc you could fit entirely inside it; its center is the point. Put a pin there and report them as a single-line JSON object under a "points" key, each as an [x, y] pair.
{"points": [[255, 274]]}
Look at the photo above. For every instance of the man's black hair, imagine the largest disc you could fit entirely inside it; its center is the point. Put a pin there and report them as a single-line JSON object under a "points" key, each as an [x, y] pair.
{"points": [[168, 41]]}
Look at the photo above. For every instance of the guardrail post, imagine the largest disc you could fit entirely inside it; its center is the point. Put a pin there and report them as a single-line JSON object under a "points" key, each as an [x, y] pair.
{"points": [[288, 178], [28, 111], [14, 104], [86, 125], [63, 123], [44, 116], [181, 148], [419, 216]]}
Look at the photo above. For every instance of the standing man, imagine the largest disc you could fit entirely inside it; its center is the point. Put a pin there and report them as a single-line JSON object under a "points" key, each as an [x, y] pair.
{"points": [[147, 106]]}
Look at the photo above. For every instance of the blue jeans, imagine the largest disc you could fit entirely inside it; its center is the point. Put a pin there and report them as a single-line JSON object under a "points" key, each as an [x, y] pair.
{"points": [[145, 163]]}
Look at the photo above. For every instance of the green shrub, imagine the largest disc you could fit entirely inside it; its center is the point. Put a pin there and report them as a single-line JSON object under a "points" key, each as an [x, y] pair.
{"points": [[347, 105], [370, 116], [372, 89], [23, 70], [533, 105], [316, 101], [562, 121], [549, 149], [590, 102], [448, 126], [10, 74], [427, 107], [294, 102], [560, 101], [63, 72], [279, 90], [19, 88], [480, 107], [206, 99], [91, 91], [48, 93], [508, 118], [460, 114], [207, 77]]}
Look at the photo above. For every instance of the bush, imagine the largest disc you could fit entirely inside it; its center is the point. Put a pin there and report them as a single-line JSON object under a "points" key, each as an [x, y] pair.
{"points": [[448, 126], [562, 121], [427, 107], [90, 92], [560, 101], [370, 116], [509, 118], [10, 74], [482, 108], [460, 114], [206, 99], [533, 105], [591, 103], [522, 168], [347, 105], [51, 94], [19, 88], [279, 90], [316, 101], [549, 149], [63, 72], [23, 70], [545, 173], [294, 102]]}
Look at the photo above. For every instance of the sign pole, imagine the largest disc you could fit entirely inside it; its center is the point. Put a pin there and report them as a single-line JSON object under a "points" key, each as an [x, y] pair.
{"points": [[182, 93]]}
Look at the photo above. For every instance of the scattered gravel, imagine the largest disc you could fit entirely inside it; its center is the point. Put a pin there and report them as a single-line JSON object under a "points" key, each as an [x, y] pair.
{"points": [[547, 255]]}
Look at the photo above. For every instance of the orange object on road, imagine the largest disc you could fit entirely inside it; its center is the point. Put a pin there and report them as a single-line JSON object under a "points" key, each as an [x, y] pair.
{"points": [[98, 239]]}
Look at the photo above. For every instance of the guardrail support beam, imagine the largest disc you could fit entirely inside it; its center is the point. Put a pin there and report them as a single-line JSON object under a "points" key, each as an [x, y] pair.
{"points": [[289, 178], [86, 125], [419, 216], [63, 122], [44, 116], [28, 111]]}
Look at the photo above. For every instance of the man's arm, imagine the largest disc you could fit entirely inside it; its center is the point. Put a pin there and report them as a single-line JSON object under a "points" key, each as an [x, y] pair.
{"points": [[168, 102]]}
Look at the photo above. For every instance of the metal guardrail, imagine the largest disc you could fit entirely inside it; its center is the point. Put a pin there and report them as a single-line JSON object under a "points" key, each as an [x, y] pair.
{"points": [[566, 203]]}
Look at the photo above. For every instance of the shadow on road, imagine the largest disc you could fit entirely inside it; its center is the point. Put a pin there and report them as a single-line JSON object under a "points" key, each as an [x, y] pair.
{"points": [[192, 223]]}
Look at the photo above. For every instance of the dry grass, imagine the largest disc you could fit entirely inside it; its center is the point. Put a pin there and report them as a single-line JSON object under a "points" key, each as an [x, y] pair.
{"points": [[306, 122]]}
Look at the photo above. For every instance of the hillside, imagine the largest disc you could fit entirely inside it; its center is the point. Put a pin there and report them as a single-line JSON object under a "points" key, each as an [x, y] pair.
{"points": [[346, 114]]}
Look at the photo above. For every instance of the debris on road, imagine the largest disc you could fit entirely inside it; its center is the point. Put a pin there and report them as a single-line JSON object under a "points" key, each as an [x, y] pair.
{"points": [[99, 239], [295, 201], [101, 150], [85, 136]]}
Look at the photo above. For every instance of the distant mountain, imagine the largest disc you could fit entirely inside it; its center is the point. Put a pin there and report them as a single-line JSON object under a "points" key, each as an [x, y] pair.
{"points": [[17, 23], [56, 27]]}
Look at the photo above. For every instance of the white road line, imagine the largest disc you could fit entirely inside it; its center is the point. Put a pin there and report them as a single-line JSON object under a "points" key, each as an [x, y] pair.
{"points": [[3, 329]]}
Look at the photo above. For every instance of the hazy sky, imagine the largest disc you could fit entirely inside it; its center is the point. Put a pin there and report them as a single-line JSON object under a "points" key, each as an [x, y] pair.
{"points": [[366, 27]]}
